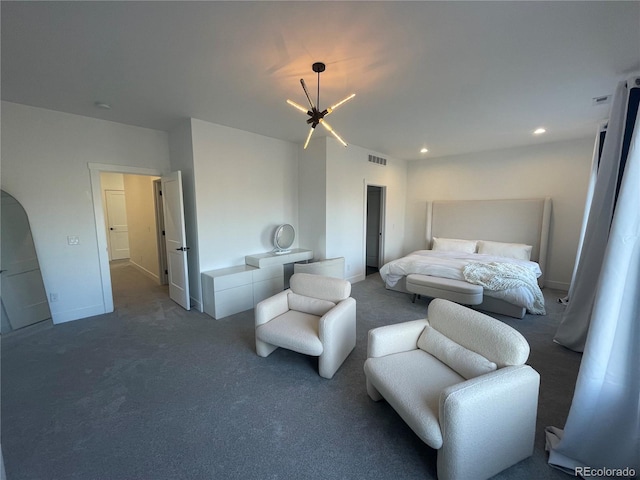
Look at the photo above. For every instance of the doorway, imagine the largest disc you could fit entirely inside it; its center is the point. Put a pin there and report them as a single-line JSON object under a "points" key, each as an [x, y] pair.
{"points": [[374, 243], [132, 207], [96, 171]]}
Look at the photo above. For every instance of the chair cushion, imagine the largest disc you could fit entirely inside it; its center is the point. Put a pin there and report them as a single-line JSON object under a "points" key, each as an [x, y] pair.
{"points": [[481, 333], [317, 286], [314, 306], [293, 330], [467, 363], [397, 378]]}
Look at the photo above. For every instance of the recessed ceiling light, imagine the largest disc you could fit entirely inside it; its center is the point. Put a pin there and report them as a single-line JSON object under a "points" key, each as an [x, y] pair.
{"points": [[423, 150], [539, 131], [103, 105]]}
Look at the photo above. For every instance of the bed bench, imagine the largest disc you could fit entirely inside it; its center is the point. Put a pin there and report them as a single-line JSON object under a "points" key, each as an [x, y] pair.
{"points": [[436, 287]]}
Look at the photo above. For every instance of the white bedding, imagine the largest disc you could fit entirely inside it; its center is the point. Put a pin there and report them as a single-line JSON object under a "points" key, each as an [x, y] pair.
{"points": [[451, 265]]}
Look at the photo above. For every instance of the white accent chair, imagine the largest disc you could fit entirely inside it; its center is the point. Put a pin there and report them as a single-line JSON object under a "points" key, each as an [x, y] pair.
{"points": [[459, 380], [331, 267], [315, 316]]}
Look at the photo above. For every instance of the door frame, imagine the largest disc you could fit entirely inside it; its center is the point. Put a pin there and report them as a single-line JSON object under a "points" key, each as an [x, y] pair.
{"points": [[101, 230], [163, 274]]}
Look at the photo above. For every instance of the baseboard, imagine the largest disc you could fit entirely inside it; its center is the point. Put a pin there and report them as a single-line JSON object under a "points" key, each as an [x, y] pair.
{"points": [[144, 271], [556, 285], [196, 304], [357, 278]]}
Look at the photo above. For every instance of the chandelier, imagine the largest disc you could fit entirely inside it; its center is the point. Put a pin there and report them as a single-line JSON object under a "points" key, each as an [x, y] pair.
{"points": [[317, 116]]}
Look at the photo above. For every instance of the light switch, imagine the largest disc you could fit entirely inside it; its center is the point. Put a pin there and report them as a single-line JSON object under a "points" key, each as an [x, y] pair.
{"points": [[73, 240]]}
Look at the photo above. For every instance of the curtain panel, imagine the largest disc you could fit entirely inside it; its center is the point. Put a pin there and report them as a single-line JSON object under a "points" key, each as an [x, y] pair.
{"points": [[602, 431]]}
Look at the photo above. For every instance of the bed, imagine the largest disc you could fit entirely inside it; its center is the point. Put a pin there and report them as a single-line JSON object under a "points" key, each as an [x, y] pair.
{"points": [[494, 225]]}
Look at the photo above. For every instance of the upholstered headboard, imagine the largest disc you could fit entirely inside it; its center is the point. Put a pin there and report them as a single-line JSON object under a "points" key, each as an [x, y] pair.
{"points": [[513, 220]]}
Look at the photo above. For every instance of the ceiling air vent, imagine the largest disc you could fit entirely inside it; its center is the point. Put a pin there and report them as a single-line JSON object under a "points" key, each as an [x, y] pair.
{"points": [[378, 160]]}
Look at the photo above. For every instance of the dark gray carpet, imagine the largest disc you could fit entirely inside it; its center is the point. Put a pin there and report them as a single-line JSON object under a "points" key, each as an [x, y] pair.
{"points": [[152, 391]]}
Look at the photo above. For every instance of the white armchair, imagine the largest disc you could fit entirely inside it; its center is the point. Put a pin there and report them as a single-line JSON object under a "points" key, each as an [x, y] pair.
{"points": [[458, 379], [315, 316]]}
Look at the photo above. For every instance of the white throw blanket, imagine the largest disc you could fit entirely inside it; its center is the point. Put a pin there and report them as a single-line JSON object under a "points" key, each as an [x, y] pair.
{"points": [[497, 276]]}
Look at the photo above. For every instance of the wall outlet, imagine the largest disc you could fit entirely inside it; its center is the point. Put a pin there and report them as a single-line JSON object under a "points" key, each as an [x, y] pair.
{"points": [[73, 240], [348, 267], [53, 297]]}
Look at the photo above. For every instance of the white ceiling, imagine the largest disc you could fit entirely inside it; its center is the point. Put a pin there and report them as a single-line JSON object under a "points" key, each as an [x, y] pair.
{"points": [[455, 77]]}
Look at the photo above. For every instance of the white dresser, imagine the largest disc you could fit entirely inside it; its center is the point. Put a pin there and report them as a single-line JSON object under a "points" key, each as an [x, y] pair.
{"points": [[226, 291], [235, 289], [267, 281]]}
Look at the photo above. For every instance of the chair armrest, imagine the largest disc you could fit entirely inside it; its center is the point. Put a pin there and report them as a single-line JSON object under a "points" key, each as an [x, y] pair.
{"points": [[496, 386], [488, 422], [271, 307], [330, 321], [396, 338]]}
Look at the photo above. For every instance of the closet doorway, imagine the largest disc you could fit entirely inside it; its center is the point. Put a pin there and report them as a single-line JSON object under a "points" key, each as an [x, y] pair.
{"points": [[374, 242]]}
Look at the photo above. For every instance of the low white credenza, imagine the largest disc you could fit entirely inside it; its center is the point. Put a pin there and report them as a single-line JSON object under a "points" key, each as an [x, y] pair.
{"points": [[226, 291], [235, 289]]}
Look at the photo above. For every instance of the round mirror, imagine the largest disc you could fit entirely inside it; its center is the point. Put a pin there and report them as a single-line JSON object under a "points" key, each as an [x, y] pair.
{"points": [[283, 238]]}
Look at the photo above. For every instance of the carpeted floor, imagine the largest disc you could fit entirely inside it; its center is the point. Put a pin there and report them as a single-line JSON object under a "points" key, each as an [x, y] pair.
{"points": [[152, 391]]}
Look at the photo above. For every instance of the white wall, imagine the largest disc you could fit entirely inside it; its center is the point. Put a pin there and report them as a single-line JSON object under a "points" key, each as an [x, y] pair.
{"points": [[44, 166], [141, 219], [348, 174], [111, 181], [246, 185], [559, 170], [312, 197]]}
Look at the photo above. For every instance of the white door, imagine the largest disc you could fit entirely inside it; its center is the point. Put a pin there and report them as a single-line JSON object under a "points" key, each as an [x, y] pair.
{"points": [[23, 296], [117, 223], [175, 239]]}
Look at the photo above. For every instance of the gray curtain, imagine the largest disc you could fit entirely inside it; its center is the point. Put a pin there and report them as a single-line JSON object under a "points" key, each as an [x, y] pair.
{"points": [[574, 326], [593, 175], [602, 430]]}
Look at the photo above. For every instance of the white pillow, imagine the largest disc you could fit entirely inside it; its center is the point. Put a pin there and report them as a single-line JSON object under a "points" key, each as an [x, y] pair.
{"points": [[313, 306], [454, 245], [467, 363], [508, 250]]}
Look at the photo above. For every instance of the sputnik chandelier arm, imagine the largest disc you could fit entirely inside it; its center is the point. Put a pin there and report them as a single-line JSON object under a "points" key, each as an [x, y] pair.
{"points": [[306, 92], [332, 108], [316, 116], [326, 125]]}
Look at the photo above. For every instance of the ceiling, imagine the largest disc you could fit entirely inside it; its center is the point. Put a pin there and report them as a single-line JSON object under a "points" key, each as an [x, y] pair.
{"points": [[454, 77]]}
